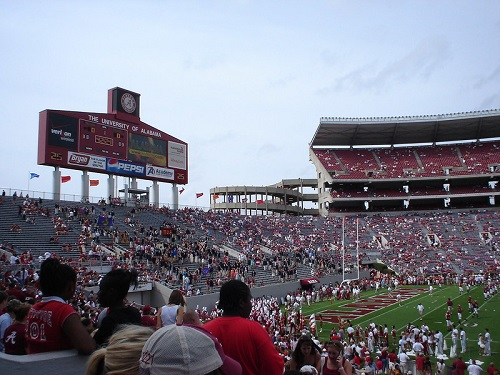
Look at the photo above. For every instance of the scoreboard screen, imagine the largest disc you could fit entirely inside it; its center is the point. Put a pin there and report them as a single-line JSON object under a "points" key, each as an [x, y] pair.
{"points": [[102, 140]]}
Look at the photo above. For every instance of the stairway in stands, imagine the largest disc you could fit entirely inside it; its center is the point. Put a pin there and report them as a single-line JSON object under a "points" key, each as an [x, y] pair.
{"points": [[35, 237]]}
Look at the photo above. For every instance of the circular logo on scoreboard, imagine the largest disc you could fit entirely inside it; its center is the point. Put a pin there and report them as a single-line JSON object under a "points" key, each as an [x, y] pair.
{"points": [[128, 103]]}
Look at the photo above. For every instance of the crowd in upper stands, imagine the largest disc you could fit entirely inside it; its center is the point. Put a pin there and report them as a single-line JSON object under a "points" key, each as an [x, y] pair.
{"points": [[188, 248], [412, 161]]}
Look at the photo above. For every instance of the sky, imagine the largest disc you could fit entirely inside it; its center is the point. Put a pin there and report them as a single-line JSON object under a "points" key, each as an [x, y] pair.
{"points": [[243, 82]]}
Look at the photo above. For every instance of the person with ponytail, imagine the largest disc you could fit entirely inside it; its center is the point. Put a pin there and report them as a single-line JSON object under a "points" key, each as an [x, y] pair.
{"points": [[113, 290]]}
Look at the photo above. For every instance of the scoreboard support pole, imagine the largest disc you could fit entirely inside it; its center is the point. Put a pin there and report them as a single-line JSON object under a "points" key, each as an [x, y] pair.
{"points": [[56, 183], [125, 193], [85, 186], [155, 194], [133, 185], [111, 186], [175, 196]]}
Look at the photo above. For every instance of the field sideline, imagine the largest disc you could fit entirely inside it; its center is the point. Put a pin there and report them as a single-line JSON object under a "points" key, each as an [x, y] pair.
{"points": [[434, 315]]}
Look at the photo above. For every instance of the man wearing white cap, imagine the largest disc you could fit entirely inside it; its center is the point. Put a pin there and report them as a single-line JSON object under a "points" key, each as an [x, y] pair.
{"points": [[185, 350]]}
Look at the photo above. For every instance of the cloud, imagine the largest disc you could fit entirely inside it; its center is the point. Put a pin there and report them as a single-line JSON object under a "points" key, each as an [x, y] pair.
{"points": [[267, 149], [281, 82], [205, 61], [494, 77], [329, 57], [491, 102], [419, 64]]}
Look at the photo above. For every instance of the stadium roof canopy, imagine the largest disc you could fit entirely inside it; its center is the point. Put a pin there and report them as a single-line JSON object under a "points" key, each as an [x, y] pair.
{"points": [[407, 130]]}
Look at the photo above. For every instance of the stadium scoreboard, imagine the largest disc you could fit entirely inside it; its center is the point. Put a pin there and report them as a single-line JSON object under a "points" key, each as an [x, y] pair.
{"points": [[116, 142]]}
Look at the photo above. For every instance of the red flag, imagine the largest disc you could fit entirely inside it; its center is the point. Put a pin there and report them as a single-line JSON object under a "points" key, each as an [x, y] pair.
{"points": [[65, 179], [260, 201], [94, 182], [181, 190], [199, 195]]}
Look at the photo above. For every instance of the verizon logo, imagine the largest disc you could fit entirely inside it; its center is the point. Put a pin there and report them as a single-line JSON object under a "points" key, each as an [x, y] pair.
{"points": [[79, 159]]}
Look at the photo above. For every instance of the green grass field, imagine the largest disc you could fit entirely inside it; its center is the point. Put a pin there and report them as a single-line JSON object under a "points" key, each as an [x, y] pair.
{"points": [[434, 317]]}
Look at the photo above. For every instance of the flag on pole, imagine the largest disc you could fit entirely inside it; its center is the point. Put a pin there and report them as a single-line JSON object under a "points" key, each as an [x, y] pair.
{"points": [[260, 201], [94, 182], [216, 196], [65, 179], [199, 195], [230, 198], [181, 190], [34, 175], [244, 200]]}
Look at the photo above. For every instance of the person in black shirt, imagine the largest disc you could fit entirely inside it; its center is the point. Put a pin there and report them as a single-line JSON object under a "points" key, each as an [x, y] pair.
{"points": [[112, 292]]}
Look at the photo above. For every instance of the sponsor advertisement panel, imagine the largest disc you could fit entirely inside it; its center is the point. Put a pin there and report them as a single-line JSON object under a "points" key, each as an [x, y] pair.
{"points": [[88, 161], [159, 172], [62, 131], [124, 167], [177, 155]]}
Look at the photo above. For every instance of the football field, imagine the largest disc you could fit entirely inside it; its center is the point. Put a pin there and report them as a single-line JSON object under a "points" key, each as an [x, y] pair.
{"points": [[381, 309]]}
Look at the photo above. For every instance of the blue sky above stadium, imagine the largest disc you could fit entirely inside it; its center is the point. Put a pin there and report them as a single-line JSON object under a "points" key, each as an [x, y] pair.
{"points": [[244, 83]]}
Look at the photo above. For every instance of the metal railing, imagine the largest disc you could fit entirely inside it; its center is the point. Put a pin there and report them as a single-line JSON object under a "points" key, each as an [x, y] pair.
{"points": [[78, 198]]}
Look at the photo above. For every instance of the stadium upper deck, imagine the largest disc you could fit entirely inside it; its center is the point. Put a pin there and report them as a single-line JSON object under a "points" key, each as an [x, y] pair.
{"points": [[407, 163]]}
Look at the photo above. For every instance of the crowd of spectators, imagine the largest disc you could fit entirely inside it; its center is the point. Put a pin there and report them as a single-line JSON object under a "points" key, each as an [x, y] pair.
{"points": [[364, 347], [187, 247]]}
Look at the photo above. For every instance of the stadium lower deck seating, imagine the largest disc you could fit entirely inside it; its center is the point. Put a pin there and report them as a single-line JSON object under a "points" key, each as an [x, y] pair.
{"points": [[295, 246]]}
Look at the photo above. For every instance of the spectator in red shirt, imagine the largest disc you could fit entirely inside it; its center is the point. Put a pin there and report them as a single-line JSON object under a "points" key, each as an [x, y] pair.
{"points": [[459, 366], [60, 324], [419, 364], [356, 361], [243, 339], [14, 340], [384, 359], [492, 370], [379, 365], [393, 358], [147, 320]]}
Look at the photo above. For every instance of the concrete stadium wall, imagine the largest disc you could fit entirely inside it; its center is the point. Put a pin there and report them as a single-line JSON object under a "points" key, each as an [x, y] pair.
{"points": [[276, 290], [66, 362]]}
